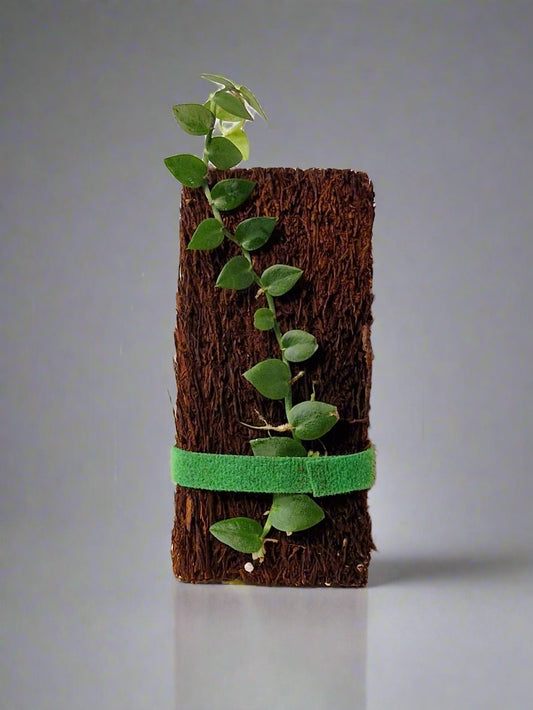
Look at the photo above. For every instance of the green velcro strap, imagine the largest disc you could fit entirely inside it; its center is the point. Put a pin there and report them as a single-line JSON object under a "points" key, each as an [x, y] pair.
{"points": [[321, 475]]}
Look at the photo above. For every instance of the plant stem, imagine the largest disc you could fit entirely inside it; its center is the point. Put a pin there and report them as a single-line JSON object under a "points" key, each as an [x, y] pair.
{"points": [[246, 254], [277, 333], [267, 527]]}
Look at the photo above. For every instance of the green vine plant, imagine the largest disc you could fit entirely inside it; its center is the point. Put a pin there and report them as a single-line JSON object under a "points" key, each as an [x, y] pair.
{"points": [[221, 120]]}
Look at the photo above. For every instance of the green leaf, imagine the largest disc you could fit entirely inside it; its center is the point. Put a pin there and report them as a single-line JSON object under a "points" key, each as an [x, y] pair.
{"points": [[194, 118], [251, 100], [219, 79], [225, 117], [232, 104], [264, 319], [223, 153], [291, 513], [298, 345], [271, 378], [311, 420], [229, 194], [279, 279], [239, 138], [188, 169], [237, 274], [207, 235], [277, 446], [242, 534], [255, 232]]}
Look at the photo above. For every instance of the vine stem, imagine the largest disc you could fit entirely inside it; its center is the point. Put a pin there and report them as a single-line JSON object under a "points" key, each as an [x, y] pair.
{"points": [[277, 333], [246, 254]]}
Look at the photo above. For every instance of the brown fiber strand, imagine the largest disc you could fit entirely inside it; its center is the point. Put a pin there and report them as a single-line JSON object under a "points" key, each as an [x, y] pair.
{"points": [[324, 227]]}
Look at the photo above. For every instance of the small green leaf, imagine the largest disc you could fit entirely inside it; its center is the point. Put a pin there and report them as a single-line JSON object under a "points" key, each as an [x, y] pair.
{"points": [[188, 169], [311, 420], [219, 79], [279, 279], [264, 319], [242, 534], [207, 235], [225, 117], [232, 104], [277, 446], [298, 345], [239, 138], [194, 118], [291, 513], [251, 100], [229, 194], [223, 153], [236, 274], [271, 378], [255, 232]]}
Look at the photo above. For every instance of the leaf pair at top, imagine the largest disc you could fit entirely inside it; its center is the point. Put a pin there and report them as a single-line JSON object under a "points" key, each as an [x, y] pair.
{"points": [[230, 105], [243, 91]]}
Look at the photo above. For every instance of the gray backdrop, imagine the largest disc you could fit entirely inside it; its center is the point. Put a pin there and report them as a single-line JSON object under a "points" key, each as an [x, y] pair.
{"points": [[434, 101]]}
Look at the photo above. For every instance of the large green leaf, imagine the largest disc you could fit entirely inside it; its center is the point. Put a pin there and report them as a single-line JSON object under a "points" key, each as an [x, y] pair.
{"points": [[277, 446], [223, 153], [311, 420], [242, 534], [207, 235], [298, 345], [264, 319], [271, 378], [194, 118], [236, 274], [251, 100], [294, 512], [188, 169], [233, 104], [239, 138], [219, 79], [255, 232], [279, 279], [229, 194]]}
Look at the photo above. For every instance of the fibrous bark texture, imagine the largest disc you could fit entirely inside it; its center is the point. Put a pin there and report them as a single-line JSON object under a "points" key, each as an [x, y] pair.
{"points": [[324, 227]]}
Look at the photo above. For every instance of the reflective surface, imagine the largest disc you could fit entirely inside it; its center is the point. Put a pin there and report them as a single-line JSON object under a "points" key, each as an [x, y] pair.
{"points": [[439, 631], [261, 647]]}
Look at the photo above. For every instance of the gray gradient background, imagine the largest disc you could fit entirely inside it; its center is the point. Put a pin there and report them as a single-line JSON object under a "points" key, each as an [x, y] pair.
{"points": [[434, 101]]}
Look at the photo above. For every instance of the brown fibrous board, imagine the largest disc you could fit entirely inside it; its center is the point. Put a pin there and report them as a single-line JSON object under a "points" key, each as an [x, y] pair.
{"points": [[324, 227]]}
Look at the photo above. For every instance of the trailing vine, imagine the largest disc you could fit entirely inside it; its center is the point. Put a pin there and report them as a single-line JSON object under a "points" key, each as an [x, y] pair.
{"points": [[221, 120]]}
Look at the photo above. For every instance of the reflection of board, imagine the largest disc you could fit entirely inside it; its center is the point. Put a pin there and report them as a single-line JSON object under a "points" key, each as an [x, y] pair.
{"points": [[324, 227]]}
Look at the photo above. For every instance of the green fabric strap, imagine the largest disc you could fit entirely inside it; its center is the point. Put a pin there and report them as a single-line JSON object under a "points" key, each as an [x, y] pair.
{"points": [[321, 476]]}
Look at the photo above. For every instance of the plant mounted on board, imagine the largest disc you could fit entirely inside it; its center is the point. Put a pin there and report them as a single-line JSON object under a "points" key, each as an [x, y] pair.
{"points": [[221, 120]]}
